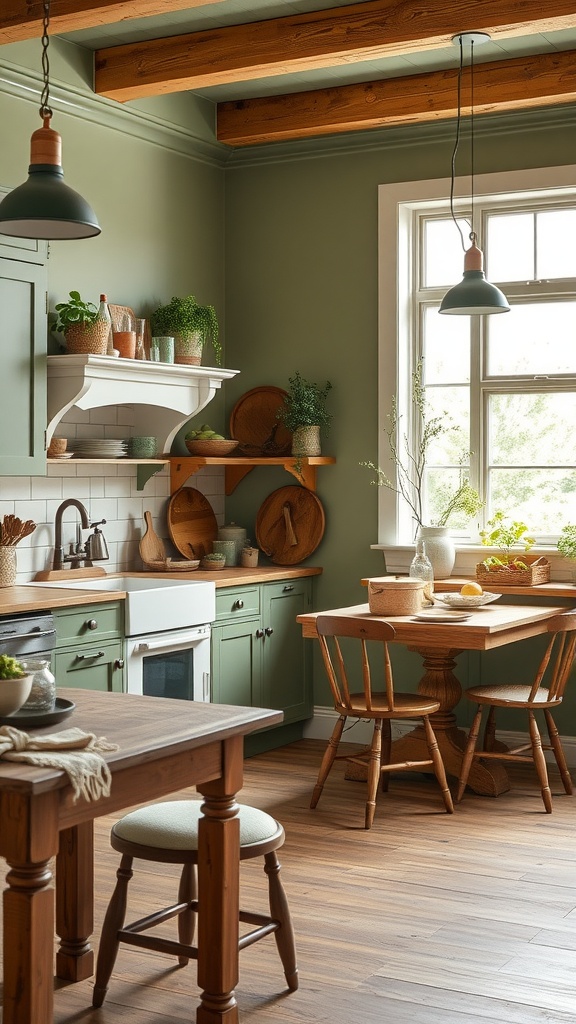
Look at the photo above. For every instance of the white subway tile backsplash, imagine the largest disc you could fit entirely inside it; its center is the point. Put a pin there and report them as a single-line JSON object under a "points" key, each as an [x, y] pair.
{"points": [[106, 414], [46, 487], [116, 487], [14, 487]]}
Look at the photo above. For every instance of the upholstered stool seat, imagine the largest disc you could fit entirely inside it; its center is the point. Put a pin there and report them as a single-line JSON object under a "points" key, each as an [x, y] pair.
{"points": [[168, 833]]}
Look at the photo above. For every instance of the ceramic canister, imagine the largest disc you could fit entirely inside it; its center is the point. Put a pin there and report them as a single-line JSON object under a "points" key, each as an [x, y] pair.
{"points": [[226, 548], [236, 533]]}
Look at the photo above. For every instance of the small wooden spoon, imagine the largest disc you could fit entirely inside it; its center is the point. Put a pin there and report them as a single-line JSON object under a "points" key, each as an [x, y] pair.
{"points": [[151, 546]]}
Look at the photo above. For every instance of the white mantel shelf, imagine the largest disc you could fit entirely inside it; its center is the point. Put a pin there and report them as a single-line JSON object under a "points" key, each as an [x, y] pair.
{"points": [[163, 395]]}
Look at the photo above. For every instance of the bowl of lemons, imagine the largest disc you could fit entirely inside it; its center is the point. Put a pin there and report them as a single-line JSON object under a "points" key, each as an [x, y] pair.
{"points": [[471, 596], [208, 442]]}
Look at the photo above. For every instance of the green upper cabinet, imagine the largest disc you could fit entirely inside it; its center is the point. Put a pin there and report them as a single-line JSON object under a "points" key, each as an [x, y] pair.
{"points": [[23, 342]]}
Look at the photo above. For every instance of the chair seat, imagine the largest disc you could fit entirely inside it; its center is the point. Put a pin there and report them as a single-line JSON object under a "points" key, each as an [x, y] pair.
{"points": [[405, 705], [511, 695], [174, 825]]}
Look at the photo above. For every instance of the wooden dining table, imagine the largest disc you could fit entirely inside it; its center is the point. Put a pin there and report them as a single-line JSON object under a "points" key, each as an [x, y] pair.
{"points": [[163, 746], [439, 644]]}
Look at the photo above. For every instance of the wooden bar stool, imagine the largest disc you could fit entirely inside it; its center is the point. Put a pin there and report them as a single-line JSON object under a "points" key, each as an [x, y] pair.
{"points": [[168, 833]]}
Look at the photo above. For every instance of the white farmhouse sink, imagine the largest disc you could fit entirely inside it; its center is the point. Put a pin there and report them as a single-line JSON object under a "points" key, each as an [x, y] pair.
{"points": [[153, 605]]}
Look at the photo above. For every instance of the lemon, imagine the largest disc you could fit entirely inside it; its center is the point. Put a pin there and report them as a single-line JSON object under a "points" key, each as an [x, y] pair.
{"points": [[471, 589]]}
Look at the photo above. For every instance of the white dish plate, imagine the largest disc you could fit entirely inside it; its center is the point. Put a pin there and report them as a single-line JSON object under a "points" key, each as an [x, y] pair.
{"points": [[462, 601], [66, 455], [441, 615]]}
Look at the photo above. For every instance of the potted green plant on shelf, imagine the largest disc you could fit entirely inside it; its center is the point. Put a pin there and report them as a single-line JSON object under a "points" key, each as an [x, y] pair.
{"points": [[192, 326], [567, 546], [80, 323], [410, 466], [304, 413]]}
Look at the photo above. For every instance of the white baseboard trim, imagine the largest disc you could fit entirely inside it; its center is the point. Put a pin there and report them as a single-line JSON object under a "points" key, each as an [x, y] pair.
{"points": [[321, 725]]}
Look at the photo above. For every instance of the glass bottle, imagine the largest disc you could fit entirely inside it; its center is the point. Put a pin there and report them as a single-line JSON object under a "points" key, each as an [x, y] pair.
{"points": [[421, 568], [104, 314], [140, 328]]}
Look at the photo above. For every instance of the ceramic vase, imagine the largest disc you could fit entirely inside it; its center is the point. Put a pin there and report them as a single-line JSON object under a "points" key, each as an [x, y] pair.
{"points": [[439, 549], [8, 566], [188, 348], [306, 441]]}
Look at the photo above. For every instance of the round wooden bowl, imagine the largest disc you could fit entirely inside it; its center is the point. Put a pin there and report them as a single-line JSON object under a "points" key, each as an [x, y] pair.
{"points": [[211, 447]]}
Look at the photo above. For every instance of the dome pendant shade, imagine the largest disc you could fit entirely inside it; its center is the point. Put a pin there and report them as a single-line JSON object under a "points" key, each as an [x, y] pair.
{"points": [[474, 294], [44, 206]]}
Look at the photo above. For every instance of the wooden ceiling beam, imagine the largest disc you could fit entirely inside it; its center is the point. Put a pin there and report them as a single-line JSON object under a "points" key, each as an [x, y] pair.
{"points": [[319, 39], [22, 19], [535, 81]]}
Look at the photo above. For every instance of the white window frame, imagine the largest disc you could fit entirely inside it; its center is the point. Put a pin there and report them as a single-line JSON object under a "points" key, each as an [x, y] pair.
{"points": [[396, 205]]}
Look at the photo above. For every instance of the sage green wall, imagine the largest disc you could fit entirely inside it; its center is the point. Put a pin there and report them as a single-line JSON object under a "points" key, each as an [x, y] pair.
{"points": [[151, 172], [301, 294]]}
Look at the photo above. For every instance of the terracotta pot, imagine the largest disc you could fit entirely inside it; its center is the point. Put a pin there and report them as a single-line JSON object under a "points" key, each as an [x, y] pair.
{"points": [[125, 343]]}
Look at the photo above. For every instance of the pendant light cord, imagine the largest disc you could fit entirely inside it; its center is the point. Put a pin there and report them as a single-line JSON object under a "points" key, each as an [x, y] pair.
{"points": [[45, 108], [472, 235]]}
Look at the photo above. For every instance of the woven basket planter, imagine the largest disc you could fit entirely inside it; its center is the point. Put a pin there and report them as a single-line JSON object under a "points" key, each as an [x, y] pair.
{"points": [[88, 339], [538, 571]]}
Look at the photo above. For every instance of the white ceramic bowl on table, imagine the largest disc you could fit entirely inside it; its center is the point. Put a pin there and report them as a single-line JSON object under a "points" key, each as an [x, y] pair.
{"points": [[466, 600], [13, 694]]}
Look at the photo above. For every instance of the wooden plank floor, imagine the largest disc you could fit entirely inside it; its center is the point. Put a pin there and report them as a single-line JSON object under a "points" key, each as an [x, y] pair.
{"points": [[428, 918]]}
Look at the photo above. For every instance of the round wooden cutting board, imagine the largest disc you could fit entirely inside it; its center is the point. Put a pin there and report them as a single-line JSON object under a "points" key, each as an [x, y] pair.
{"points": [[254, 423], [191, 522], [290, 525]]}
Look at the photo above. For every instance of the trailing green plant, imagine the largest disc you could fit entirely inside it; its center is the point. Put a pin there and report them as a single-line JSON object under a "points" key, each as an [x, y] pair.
{"points": [[184, 316], [305, 404], [11, 668], [505, 533], [567, 541], [411, 464], [76, 311]]}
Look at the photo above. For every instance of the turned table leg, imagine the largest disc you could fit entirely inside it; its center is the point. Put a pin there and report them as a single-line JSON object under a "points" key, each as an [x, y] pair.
{"points": [[75, 902]]}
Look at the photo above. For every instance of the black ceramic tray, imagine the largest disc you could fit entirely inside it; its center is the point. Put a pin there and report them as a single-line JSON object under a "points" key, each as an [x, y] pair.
{"points": [[32, 719]]}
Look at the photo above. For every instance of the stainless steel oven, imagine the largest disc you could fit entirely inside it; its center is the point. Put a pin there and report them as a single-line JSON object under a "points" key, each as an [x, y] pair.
{"points": [[31, 636]]}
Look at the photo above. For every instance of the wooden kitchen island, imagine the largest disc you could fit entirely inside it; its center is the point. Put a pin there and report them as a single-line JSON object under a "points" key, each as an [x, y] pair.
{"points": [[164, 746]]}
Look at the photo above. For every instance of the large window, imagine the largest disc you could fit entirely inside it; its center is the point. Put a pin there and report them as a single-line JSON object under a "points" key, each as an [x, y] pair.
{"points": [[505, 384]]}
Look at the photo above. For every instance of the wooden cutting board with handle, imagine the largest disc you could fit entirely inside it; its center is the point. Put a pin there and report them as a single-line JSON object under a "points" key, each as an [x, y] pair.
{"points": [[191, 522], [290, 525], [151, 545]]}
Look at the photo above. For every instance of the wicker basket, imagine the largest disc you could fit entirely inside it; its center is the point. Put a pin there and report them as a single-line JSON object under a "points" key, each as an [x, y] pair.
{"points": [[538, 571], [88, 339], [215, 448], [389, 595]]}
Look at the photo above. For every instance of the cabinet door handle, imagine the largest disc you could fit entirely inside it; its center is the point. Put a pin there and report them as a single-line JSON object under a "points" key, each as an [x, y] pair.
{"points": [[119, 663], [259, 634], [268, 630], [90, 657], [91, 623], [288, 587], [238, 604]]}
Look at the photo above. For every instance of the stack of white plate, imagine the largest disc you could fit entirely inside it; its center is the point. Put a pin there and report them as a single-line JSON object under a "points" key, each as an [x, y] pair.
{"points": [[100, 447]]}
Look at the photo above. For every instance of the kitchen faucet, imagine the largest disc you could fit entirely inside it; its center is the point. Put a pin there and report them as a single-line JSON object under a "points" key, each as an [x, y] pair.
{"points": [[79, 553]]}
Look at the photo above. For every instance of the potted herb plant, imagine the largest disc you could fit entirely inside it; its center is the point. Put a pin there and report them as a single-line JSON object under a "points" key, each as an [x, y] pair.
{"points": [[567, 546], [83, 328], [191, 325], [462, 503], [304, 413]]}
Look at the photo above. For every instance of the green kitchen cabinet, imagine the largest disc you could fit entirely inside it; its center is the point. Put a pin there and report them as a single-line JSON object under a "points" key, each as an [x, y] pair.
{"points": [[23, 297], [90, 646], [259, 658]]}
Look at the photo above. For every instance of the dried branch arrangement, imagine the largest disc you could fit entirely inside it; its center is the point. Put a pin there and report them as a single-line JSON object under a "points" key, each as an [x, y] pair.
{"points": [[13, 530]]}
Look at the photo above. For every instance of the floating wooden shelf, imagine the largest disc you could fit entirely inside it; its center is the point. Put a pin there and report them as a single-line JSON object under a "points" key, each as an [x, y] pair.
{"points": [[236, 468]]}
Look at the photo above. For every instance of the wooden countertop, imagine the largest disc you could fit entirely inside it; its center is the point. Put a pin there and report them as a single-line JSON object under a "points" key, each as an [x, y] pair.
{"points": [[28, 598]]}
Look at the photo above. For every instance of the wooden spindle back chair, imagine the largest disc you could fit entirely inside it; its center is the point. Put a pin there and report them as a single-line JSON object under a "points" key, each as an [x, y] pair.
{"points": [[383, 705], [543, 694]]}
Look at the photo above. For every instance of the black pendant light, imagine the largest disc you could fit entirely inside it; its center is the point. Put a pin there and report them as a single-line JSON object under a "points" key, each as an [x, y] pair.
{"points": [[474, 294], [44, 207]]}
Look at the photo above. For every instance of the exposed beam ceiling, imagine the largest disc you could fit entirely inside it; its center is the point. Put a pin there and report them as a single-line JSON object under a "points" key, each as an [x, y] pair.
{"points": [[320, 39], [380, 40], [22, 19], [508, 85]]}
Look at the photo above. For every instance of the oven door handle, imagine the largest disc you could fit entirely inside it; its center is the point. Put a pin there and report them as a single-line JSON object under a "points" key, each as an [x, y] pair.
{"points": [[170, 640], [27, 636]]}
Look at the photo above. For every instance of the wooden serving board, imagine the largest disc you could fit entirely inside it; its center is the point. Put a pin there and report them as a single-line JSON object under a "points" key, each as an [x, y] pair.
{"points": [[255, 424], [290, 525], [191, 523]]}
